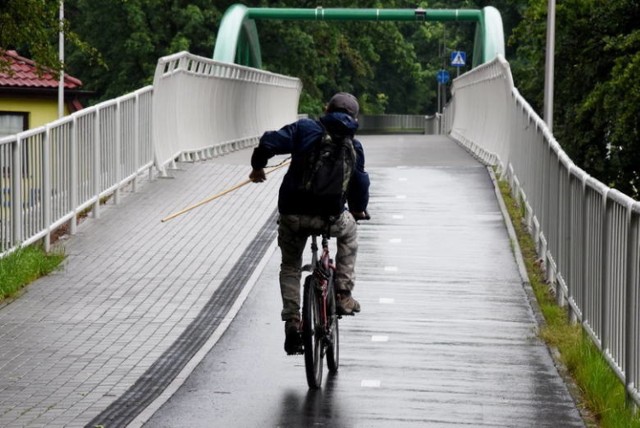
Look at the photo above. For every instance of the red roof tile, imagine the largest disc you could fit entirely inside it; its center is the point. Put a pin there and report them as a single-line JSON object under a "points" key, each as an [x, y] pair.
{"points": [[25, 75]]}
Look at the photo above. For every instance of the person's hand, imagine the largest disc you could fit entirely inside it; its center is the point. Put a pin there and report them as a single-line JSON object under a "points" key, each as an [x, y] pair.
{"points": [[257, 175], [362, 215]]}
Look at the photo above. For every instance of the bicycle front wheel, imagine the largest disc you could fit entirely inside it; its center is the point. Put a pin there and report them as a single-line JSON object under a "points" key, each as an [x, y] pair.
{"points": [[312, 333]]}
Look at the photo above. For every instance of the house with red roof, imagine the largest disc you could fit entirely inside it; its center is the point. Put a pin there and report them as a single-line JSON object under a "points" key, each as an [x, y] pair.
{"points": [[29, 100]]}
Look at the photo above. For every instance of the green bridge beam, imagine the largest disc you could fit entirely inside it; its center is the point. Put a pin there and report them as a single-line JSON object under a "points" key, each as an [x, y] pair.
{"points": [[320, 14], [237, 40]]}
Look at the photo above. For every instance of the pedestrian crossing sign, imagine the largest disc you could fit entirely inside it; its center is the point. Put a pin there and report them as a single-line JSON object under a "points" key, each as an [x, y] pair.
{"points": [[458, 58]]}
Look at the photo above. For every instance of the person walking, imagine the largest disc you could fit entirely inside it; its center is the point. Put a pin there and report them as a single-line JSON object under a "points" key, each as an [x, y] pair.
{"points": [[301, 213]]}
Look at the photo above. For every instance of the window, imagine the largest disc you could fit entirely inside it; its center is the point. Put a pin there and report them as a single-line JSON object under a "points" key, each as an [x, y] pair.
{"points": [[13, 122]]}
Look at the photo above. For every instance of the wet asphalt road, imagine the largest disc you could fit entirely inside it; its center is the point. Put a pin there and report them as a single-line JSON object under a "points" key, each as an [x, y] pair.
{"points": [[446, 337]]}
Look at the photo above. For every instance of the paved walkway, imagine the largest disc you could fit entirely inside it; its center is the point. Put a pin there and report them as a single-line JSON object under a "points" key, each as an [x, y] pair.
{"points": [[91, 343], [80, 338]]}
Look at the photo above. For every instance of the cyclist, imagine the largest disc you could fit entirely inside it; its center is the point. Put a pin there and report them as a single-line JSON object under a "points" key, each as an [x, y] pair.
{"points": [[301, 216]]}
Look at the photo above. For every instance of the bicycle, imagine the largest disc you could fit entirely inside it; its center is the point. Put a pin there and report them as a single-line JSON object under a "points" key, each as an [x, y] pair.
{"points": [[320, 333], [320, 327]]}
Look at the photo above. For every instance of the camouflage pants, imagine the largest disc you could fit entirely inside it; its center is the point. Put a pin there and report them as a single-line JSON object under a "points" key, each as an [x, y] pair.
{"points": [[293, 231]]}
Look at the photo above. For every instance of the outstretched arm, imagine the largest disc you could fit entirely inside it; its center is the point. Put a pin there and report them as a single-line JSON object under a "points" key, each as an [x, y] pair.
{"points": [[271, 143]]}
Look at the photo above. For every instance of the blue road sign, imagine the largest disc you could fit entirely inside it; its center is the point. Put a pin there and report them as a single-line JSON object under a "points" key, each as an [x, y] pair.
{"points": [[443, 76], [458, 58]]}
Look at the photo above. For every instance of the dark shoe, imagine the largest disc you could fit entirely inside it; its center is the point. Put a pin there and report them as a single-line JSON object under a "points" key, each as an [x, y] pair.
{"points": [[293, 339], [347, 305]]}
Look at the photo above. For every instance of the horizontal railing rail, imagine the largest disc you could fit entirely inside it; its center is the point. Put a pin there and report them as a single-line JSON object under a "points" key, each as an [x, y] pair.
{"points": [[587, 233]]}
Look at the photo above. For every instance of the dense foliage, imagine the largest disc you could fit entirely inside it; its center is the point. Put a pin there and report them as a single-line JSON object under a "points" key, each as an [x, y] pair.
{"points": [[390, 66], [597, 83]]}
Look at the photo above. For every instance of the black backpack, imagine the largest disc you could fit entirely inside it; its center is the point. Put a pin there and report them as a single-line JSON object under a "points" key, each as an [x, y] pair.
{"points": [[328, 169]]}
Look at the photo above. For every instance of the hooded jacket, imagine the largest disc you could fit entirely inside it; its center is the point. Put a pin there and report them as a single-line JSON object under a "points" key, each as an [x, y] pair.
{"points": [[298, 139]]}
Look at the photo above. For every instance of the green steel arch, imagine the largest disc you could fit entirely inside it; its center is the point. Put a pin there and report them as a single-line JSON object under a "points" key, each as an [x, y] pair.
{"points": [[237, 40]]}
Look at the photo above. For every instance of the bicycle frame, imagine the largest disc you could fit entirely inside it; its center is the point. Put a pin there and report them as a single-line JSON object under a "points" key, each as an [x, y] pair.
{"points": [[322, 271]]}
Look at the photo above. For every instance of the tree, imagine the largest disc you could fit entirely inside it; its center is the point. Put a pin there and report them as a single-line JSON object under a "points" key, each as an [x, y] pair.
{"points": [[597, 91], [132, 34], [32, 27]]}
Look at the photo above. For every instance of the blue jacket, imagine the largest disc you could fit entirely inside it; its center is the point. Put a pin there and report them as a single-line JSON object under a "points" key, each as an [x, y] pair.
{"points": [[298, 139]]}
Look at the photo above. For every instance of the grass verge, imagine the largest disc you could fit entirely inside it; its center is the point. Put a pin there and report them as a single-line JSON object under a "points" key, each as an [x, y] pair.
{"points": [[600, 391], [23, 266]]}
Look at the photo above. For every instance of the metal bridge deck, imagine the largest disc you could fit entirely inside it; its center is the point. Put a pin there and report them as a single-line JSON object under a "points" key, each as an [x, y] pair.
{"points": [[446, 337]]}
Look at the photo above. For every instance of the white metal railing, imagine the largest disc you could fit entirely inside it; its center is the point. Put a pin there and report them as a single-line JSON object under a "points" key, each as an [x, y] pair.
{"points": [[197, 108], [398, 123], [202, 107], [588, 234], [50, 174]]}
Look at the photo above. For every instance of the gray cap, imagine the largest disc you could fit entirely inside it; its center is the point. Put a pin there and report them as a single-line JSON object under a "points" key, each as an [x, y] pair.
{"points": [[343, 101]]}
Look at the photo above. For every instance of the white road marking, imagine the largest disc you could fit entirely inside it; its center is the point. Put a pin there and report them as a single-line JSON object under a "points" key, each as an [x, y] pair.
{"points": [[395, 240], [379, 338], [370, 383], [398, 216], [387, 300], [391, 268]]}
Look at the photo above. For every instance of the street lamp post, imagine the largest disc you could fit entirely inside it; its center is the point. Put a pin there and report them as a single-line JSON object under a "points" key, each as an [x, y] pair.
{"points": [[61, 57], [549, 64]]}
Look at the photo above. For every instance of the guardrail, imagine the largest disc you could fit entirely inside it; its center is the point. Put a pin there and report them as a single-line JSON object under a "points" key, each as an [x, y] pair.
{"points": [[587, 233], [203, 108], [50, 174], [398, 123], [197, 108]]}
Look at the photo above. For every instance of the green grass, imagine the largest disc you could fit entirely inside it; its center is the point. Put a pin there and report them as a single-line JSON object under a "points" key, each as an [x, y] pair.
{"points": [[23, 266], [600, 391]]}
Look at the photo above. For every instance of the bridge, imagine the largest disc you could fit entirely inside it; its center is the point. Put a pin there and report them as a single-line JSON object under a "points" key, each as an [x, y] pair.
{"points": [[177, 323]]}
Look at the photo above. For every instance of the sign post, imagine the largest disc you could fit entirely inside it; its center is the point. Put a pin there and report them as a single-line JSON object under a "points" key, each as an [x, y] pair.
{"points": [[443, 77], [458, 59]]}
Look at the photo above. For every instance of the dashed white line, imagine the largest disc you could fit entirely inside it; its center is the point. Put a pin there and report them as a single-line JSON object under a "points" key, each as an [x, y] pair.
{"points": [[398, 216], [395, 240], [379, 338], [370, 383], [391, 268], [387, 300]]}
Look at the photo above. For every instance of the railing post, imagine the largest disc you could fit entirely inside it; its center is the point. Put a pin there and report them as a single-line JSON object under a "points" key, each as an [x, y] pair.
{"points": [[136, 141], [604, 294], [631, 327], [557, 234], [544, 211], [46, 184], [571, 281], [16, 193], [73, 154], [564, 232], [583, 261], [96, 166], [118, 161]]}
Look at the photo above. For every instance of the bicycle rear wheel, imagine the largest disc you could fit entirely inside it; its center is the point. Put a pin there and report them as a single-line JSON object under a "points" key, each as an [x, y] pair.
{"points": [[312, 334], [333, 348]]}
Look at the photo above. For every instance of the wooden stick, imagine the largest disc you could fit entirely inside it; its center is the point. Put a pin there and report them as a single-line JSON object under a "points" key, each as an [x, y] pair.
{"points": [[216, 196]]}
